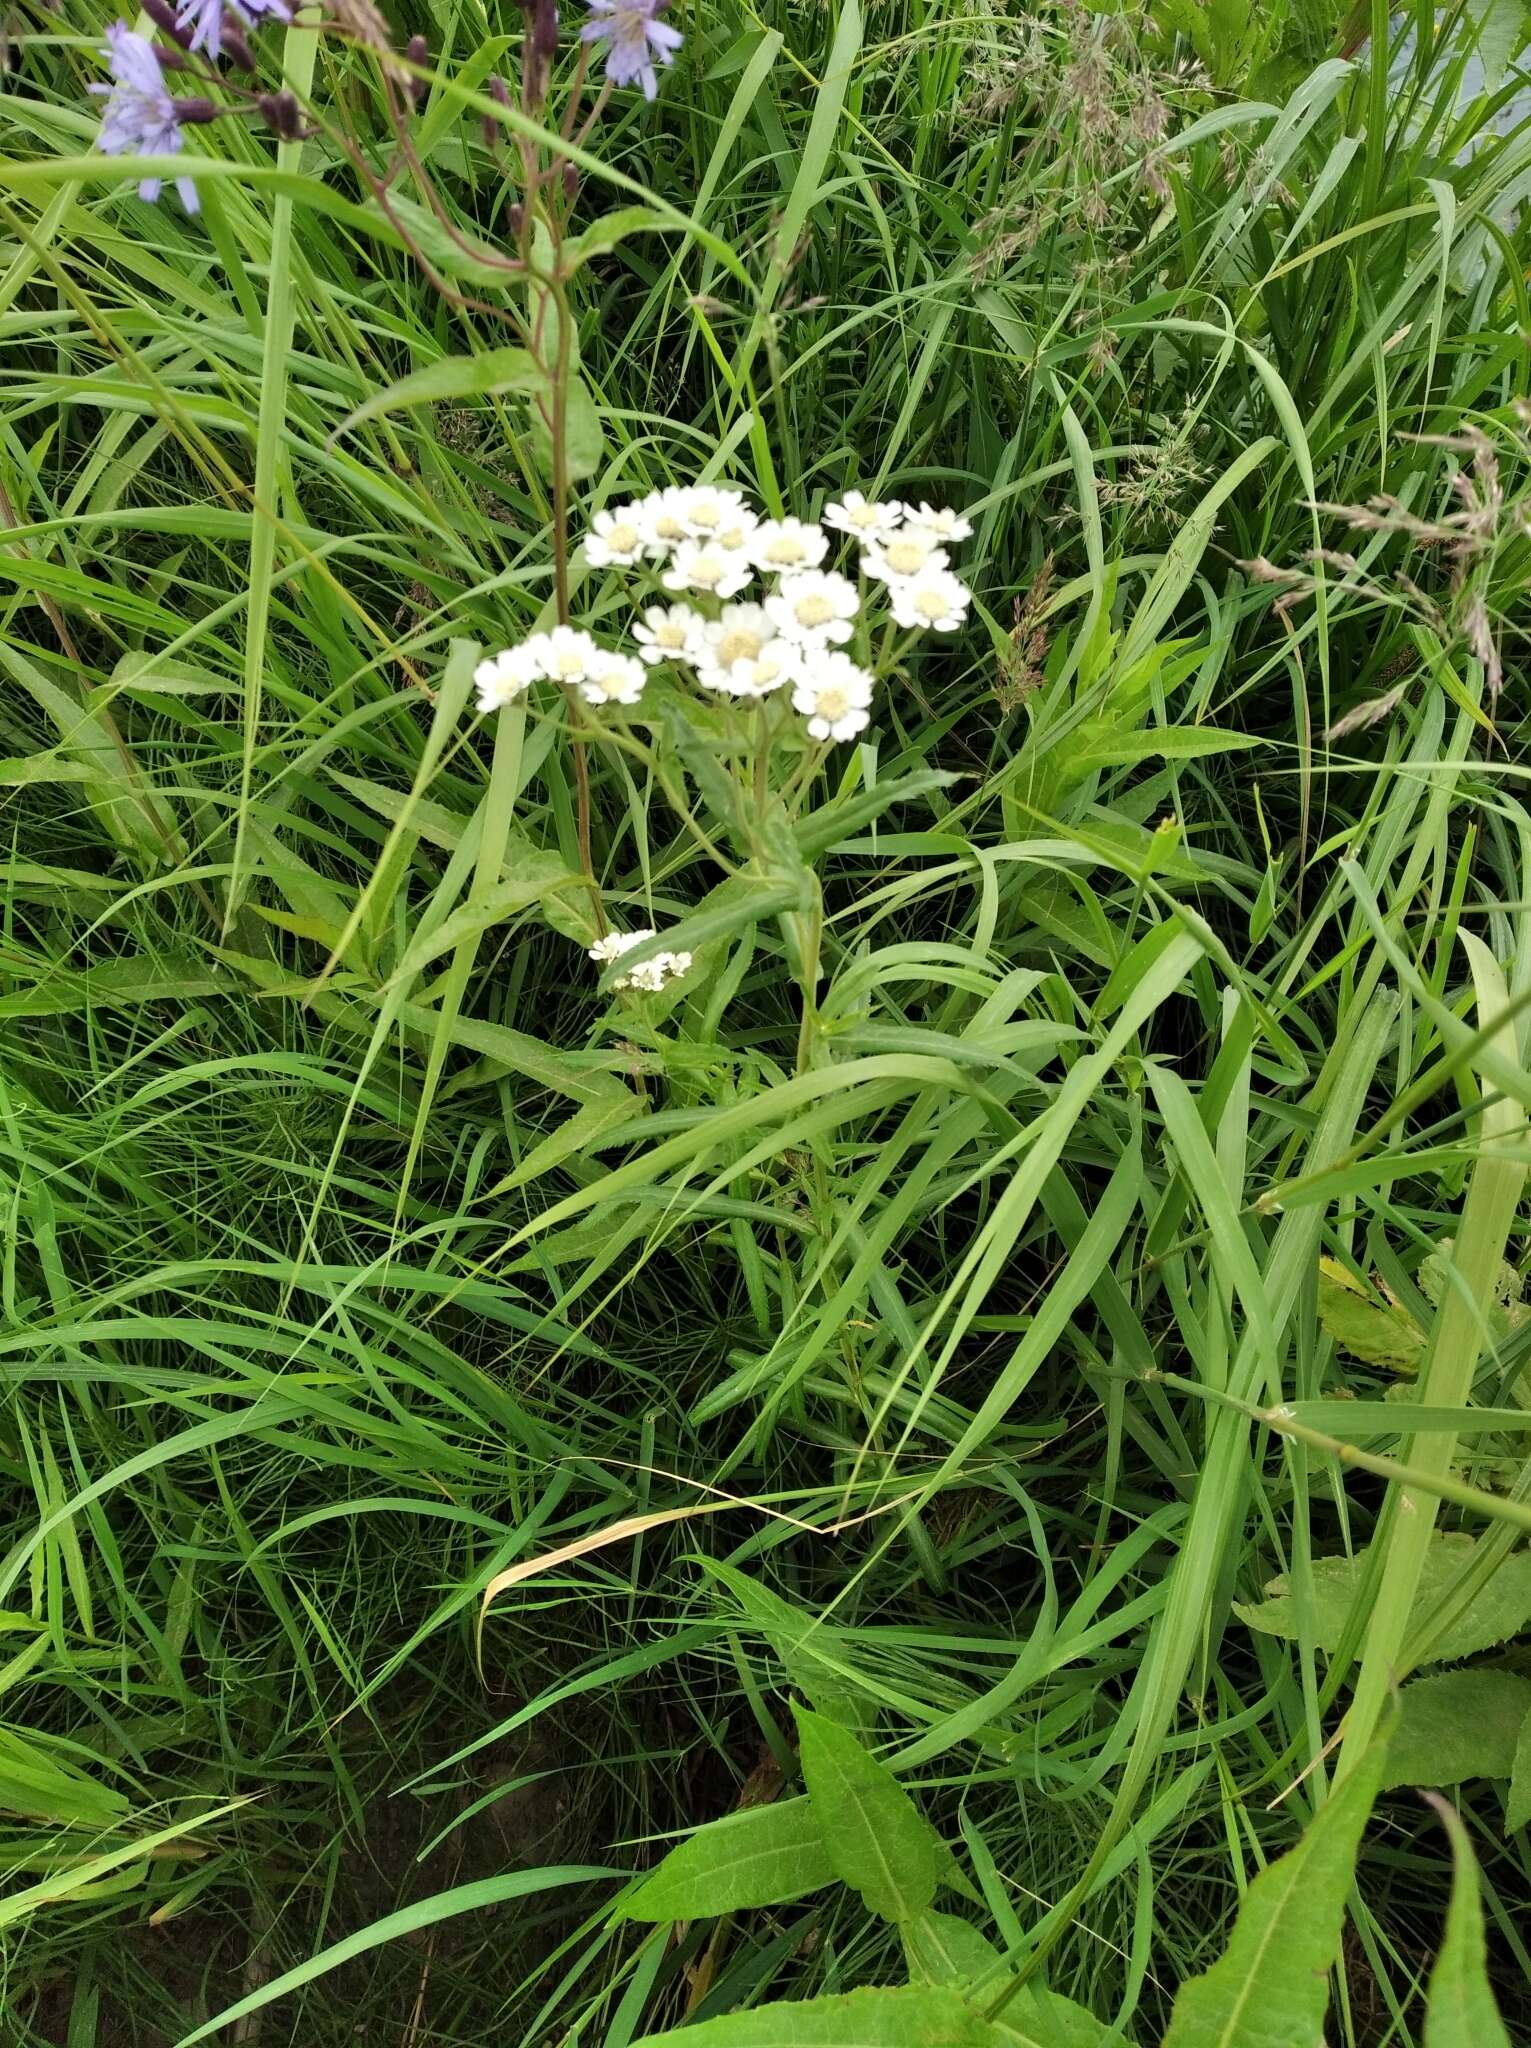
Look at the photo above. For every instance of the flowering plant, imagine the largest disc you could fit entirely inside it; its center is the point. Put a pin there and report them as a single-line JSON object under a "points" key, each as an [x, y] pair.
{"points": [[744, 622]]}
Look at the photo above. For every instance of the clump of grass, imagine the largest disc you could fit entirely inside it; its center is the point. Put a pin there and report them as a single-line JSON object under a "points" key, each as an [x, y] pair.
{"points": [[1168, 954]]}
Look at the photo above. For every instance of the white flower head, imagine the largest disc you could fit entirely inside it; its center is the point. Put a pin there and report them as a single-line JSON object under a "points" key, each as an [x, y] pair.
{"points": [[737, 634], [613, 678], [659, 516], [939, 521], [703, 565], [834, 693], [780, 546], [904, 553], [866, 519], [934, 601], [669, 632], [705, 510], [649, 975], [813, 606], [565, 654], [500, 678], [775, 664], [615, 944], [618, 537]]}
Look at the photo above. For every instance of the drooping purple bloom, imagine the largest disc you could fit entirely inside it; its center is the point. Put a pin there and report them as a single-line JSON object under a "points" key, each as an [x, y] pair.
{"points": [[636, 40], [142, 116], [205, 19]]}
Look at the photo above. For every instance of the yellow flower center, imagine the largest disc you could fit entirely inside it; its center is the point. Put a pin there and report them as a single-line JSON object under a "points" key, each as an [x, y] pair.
{"points": [[785, 548], [905, 555], [739, 643], [929, 603], [623, 538], [832, 704], [814, 611]]}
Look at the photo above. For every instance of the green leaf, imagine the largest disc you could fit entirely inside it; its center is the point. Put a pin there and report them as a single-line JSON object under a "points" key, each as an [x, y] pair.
{"points": [[1456, 1725], [604, 234], [760, 1857], [909, 2016], [40, 1784], [1506, 1312], [456, 255], [1053, 2021], [482, 376], [1517, 1809], [1270, 1986], [942, 1949], [876, 1837], [1380, 1335], [584, 441], [1459, 2006], [1499, 1609]]}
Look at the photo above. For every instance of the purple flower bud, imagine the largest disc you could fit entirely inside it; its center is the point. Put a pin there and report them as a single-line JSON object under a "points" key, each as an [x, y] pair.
{"points": [[493, 133], [194, 112], [516, 218], [282, 115], [162, 14], [418, 51], [570, 181], [234, 46]]}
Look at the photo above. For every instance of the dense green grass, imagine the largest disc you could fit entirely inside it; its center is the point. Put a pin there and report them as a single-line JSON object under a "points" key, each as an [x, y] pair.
{"points": [[330, 1295]]}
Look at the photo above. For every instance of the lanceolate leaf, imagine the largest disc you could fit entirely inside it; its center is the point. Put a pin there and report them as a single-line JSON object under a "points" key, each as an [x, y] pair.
{"points": [[760, 1857], [1460, 2011], [1271, 1985], [874, 1834], [911, 2016], [496, 370]]}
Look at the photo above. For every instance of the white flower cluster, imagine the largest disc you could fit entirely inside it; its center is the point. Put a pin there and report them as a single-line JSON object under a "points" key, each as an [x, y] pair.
{"points": [[709, 544], [648, 975]]}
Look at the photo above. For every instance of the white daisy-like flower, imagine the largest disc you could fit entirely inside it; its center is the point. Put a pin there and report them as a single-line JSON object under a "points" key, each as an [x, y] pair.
{"points": [[813, 606], [736, 534], [618, 537], [737, 634], [663, 527], [775, 664], [615, 944], [834, 693], [904, 553], [565, 654], [868, 519], [614, 679], [650, 976], [669, 632], [500, 678], [705, 510], [939, 521], [780, 546], [934, 601], [703, 565]]}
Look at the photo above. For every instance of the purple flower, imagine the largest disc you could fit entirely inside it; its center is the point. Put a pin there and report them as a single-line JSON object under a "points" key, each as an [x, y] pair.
{"points": [[142, 117], [637, 40], [205, 18]]}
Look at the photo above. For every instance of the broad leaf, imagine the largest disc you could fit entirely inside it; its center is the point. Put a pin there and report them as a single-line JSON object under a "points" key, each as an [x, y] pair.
{"points": [[1517, 1811], [1459, 2010], [1456, 1725], [910, 2016], [942, 1949], [875, 1835], [760, 1857], [604, 234], [1499, 1610], [1270, 1986], [482, 376], [1381, 1335]]}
